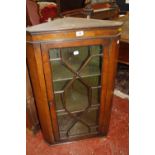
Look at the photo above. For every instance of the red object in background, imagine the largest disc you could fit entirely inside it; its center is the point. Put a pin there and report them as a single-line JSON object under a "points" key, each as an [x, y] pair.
{"points": [[49, 11], [35, 15]]}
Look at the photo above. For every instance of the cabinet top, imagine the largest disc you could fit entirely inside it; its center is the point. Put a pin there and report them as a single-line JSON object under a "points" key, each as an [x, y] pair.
{"points": [[71, 23]]}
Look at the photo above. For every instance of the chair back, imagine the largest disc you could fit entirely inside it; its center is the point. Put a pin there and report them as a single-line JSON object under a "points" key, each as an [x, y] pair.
{"points": [[32, 13]]}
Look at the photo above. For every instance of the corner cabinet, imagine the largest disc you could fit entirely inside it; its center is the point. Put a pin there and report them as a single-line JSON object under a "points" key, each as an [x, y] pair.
{"points": [[72, 63]]}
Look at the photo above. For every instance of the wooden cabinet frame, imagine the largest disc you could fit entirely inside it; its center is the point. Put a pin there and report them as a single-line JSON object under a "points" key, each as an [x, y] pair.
{"points": [[38, 46]]}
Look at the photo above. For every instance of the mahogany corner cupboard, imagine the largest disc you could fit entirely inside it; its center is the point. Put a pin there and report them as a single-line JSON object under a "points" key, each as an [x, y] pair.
{"points": [[72, 64]]}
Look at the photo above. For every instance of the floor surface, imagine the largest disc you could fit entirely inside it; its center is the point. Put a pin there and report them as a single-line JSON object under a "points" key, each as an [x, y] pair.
{"points": [[116, 142]]}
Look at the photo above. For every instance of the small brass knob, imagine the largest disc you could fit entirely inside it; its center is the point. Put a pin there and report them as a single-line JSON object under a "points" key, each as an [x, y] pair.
{"points": [[120, 29]]}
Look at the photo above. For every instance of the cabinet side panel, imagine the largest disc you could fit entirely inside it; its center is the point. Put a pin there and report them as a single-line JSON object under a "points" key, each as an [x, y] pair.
{"points": [[112, 65], [104, 79], [34, 61], [32, 121]]}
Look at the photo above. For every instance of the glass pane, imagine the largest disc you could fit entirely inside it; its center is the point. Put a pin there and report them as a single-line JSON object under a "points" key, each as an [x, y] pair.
{"points": [[76, 75], [89, 117], [76, 96], [78, 128], [75, 56], [60, 72]]}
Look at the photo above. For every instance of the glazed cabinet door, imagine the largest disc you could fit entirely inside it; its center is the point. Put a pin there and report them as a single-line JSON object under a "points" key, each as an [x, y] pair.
{"points": [[76, 74]]}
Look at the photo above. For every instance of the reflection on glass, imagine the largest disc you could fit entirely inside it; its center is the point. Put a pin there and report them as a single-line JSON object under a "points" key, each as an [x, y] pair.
{"points": [[77, 78]]}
